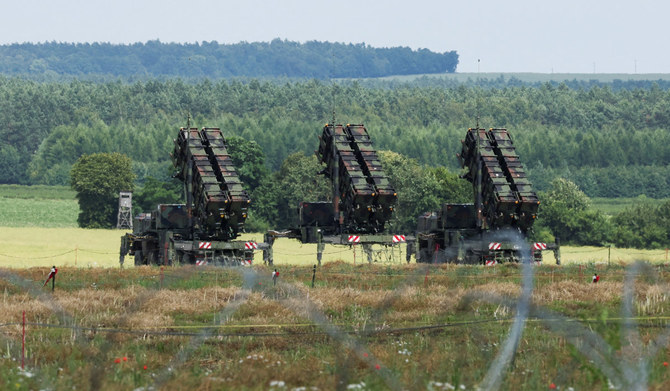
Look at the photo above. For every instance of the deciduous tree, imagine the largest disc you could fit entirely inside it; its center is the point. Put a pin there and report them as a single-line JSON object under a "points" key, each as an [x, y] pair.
{"points": [[97, 179]]}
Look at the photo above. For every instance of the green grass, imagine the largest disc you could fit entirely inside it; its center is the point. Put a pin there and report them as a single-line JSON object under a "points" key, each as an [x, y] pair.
{"points": [[38, 206], [37, 191], [38, 212], [612, 206]]}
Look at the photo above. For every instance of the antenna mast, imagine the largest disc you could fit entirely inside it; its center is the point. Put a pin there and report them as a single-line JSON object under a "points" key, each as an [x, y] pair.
{"points": [[477, 97], [332, 81]]}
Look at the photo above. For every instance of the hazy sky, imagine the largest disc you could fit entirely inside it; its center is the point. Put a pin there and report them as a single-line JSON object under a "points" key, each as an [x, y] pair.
{"points": [[560, 36]]}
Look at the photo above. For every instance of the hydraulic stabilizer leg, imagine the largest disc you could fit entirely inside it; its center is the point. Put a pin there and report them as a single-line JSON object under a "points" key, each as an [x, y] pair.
{"points": [[268, 256], [319, 251], [410, 250], [367, 247], [320, 247]]}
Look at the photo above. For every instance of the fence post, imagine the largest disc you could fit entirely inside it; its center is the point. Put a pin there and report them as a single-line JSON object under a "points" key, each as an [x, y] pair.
{"points": [[23, 342], [609, 255], [313, 275]]}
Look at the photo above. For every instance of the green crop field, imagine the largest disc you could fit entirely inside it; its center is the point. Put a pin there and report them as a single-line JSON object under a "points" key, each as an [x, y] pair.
{"points": [[43, 213], [612, 206], [38, 206], [37, 192]]}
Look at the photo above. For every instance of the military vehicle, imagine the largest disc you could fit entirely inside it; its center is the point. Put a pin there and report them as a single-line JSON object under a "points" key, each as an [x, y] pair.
{"points": [[363, 199], [504, 209], [205, 228]]}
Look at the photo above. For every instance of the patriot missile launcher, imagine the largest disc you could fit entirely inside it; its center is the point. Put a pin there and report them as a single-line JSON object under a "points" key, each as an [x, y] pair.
{"points": [[505, 205], [205, 228], [363, 198]]}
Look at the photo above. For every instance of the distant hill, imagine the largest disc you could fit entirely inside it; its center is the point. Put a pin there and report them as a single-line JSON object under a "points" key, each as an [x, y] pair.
{"points": [[279, 58]]}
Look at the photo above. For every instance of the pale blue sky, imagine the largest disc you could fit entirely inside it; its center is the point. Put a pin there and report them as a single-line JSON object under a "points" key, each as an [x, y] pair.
{"points": [[565, 36]]}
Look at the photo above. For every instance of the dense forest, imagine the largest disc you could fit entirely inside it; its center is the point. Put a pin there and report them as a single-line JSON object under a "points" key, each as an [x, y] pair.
{"points": [[279, 58], [609, 142]]}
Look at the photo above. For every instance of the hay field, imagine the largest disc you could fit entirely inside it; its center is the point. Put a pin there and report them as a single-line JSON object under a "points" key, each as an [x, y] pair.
{"points": [[22, 247]]}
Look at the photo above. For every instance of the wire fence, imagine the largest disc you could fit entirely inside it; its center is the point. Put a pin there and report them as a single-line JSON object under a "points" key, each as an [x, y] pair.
{"points": [[351, 336], [648, 321]]}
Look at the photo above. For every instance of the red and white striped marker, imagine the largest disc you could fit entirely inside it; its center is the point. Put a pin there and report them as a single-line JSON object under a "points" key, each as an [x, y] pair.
{"points": [[205, 245], [398, 238], [494, 246], [200, 263], [491, 263], [540, 246], [251, 245], [246, 262], [354, 238], [52, 274]]}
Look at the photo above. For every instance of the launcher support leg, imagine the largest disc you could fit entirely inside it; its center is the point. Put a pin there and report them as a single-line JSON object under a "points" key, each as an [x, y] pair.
{"points": [[268, 255], [410, 250], [319, 251], [367, 247]]}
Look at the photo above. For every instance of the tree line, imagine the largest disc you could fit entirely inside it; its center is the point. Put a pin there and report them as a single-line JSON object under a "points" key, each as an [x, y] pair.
{"points": [[278, 58]]}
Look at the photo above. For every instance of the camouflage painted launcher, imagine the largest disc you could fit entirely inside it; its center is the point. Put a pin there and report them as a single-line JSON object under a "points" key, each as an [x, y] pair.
{"points": [[219, 201], [366, 196], [507, 195]]}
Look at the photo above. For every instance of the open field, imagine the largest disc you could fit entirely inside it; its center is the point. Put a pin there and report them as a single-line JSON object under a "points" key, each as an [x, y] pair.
{"points": [[38, 227], [44, 192], [22, 247], [49, 213], [406, 327], [30, 246], [38, 206], [612, 206]]}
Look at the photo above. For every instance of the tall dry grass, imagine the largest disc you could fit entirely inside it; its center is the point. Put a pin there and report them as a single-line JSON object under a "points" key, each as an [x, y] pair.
{"points": [[382, 297]]}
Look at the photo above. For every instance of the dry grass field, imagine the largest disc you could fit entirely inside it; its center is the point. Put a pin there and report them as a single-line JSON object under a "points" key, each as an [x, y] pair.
{"points": [[365, 327], [32, 246]]}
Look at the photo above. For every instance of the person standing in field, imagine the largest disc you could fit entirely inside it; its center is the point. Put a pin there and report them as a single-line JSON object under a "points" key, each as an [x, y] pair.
{"points": [[596, 278]]}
